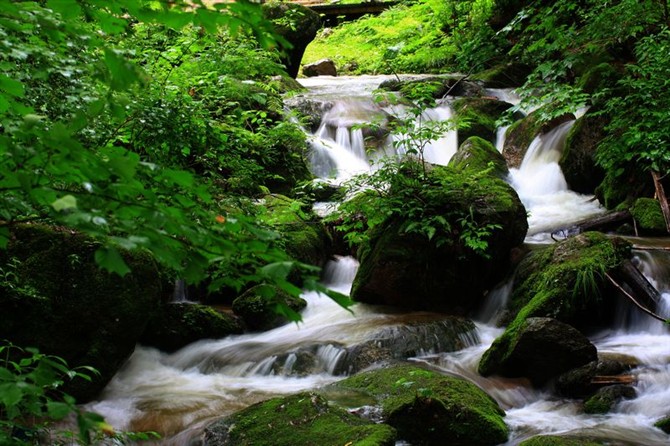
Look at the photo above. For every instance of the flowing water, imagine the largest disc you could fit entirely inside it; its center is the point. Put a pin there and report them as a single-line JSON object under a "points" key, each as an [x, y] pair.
{"points": [[177, 394]]}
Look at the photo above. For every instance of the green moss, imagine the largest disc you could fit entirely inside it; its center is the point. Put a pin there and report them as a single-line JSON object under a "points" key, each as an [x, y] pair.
{"points": [[429, 408], [648, 215], [555, 440], [508, 75], [477, 155], [479, 117], [263, 308], [663, 424], [304, 419]]}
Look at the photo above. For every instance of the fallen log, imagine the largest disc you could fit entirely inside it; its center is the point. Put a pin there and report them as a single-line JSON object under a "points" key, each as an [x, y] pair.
{"points": [[629, 274], [602, 223]]}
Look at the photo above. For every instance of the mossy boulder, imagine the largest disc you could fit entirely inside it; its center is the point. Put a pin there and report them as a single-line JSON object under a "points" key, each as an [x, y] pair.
{"points": [[520, 134], [664, 424], [481, 115], [648, 216], [175, 325], [404, 268], [539, 349], [566, 281], [578, 160], [295, 23], [606, 398], [477, 155], [428, 408], [504, 75], [435, 86], [304, 237], [56, 298], [304, 419], [556, 440], [262, 307]]}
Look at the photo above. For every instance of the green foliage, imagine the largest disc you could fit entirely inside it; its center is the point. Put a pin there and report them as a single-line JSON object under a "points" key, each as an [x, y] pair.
{"points": [[31, 401]]}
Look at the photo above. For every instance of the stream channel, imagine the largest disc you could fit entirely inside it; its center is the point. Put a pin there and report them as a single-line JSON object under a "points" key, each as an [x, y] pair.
{"points": [[178, 394]]}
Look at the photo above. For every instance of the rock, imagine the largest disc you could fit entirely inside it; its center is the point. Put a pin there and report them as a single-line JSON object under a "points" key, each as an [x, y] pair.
{"points": [[477, 155], [310, 111], [648, 216], [664, 424], [481, 115], [407, 269], [578, 160], [556, 440], [606, 398], [537, 348], [259, 307], [437, 86], [297, 24], [429, 408], [506, 75], [302, 419], [175, 325], [566, 281], [323, 67], [520, 134], [578, 383], [62, 303]]}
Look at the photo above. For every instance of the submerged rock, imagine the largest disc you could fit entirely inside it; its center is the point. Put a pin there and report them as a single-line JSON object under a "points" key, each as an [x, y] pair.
{"points": [[175, 325], [538, 349], [302, 419], [59, 301], [428, 408]]}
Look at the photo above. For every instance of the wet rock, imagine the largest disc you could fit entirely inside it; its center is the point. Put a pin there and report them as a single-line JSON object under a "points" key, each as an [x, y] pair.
{"points": [[410, 270], [310, 111], [578, 160], [259, 307], [438, 86], [578, 383], [428, 408], [323, 67], [556, 440], [61, 302], [302, 419], [481, 115], [606, 398], [173, 326], [664, 424], [297, 24], [538, 349], [477, 155]]}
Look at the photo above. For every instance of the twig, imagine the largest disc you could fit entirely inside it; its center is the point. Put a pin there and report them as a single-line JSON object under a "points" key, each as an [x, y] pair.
{"points": [[632, 299]]}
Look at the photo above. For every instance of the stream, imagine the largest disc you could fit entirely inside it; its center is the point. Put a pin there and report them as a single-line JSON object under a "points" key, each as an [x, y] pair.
{"points": [[178, 394]]}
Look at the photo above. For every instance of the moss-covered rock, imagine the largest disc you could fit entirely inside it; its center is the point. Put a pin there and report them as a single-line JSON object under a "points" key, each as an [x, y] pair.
{"points": [[55, 297], [663, 424], [295, 23], [537, 348], [566, 280], [477, 155], [428, 408], [606, 398], [304, 237], [505, 75], [556, 440], [481, 115], [304, 419], [444, 273], [578, 159], [437, 86], [173, 326], [648, 216], [263, 307], [520, 134]]}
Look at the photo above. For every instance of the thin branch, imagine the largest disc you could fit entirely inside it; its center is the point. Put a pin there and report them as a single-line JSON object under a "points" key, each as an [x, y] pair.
{"points": [[632, 299]]}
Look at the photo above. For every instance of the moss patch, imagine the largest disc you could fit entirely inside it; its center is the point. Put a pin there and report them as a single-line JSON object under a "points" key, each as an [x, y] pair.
{"points": [[555, 440], [480, 116], [649, 216], [429, 408], [304, 419], [478, 155]]}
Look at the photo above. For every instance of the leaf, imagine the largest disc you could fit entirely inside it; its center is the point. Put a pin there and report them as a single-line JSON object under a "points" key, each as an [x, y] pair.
{"points": [[109, 259], [58, 410], [278, 270], [68, 9], [11, 87], [122, 73], [64, 203]]}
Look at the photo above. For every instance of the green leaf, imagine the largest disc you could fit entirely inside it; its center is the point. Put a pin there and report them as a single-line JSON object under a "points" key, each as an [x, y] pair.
{"points": [[278, 270], [58, 410], [64, 203], [11, 87], [68, 9], [109, 259]]}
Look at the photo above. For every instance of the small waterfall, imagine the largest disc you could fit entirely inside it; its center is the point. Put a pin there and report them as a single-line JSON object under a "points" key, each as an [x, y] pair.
{"points": [[501, 135], [180, 294]]}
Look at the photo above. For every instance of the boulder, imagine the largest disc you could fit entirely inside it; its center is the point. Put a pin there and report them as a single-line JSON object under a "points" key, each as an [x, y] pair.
{"points": [[520, 134], [648, 216], [607, 397], [302, 419], [175, 325], [450, 267], [295, 23], [323, 67], [55, 297], [310, 111], [566, 281], [505, 75], [437, 86], [480, 116], [428, 408], [263, 307], [477, 155], [578, 160], [537, 348]]}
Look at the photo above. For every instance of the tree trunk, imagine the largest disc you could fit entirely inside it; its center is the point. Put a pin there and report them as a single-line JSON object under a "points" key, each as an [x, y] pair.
{"points": [[662, 199]]}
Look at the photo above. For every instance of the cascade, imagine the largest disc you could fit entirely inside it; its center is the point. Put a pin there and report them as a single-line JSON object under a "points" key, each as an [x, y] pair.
{"points": [[178, 394]]}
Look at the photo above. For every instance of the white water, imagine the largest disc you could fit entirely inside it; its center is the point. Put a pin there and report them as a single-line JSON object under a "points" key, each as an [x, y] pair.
{"points": [[177, 394]]}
